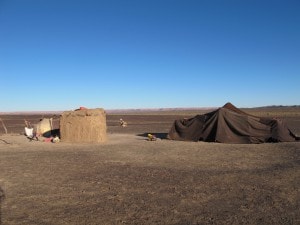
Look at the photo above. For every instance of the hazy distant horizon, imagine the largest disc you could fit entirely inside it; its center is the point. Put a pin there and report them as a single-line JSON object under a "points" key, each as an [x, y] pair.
{"points": [[141, 109]]}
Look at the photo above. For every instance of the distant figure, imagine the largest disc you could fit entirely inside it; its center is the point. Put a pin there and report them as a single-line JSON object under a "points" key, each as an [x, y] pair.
{"points": [[123, 123], [29, 132]]}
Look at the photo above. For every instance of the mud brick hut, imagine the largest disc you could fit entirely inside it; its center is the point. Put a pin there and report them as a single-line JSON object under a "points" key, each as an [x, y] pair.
{"points": [[84, 125]]}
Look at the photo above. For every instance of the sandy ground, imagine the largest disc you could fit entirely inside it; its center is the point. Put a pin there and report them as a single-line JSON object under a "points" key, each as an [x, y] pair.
{"points": [[129, 180]]}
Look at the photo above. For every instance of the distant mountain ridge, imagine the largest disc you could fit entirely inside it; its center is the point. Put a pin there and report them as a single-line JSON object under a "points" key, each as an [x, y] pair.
{"points": [[279, 106]]}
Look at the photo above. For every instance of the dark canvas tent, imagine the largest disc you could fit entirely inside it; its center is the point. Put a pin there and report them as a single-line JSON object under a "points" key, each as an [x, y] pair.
{"points": [[229, 124]]}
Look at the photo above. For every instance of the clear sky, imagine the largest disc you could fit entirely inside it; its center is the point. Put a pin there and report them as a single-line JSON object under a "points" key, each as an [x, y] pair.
{"points": [[120, 54]]}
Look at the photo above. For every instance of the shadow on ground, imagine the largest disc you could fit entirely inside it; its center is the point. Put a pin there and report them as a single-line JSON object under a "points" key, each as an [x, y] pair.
{"points": [[158, 135], [1, 199]]}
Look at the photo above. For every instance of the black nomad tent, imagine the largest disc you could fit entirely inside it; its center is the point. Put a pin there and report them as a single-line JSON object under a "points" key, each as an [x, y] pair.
{"points": [[229, 124]]}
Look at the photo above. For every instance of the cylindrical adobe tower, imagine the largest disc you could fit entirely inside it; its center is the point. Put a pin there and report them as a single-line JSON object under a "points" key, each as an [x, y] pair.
{"points": [[84, 125]]}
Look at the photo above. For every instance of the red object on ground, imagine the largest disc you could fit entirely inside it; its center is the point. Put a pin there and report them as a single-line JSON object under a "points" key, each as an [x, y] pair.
{"points": [[48, 139]]}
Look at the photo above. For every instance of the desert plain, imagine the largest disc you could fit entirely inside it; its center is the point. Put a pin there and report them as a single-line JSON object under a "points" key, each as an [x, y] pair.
{"points": [[129, 180]]}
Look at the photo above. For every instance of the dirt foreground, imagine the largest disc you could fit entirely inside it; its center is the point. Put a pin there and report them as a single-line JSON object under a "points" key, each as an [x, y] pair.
{"points": [[130, 180]]}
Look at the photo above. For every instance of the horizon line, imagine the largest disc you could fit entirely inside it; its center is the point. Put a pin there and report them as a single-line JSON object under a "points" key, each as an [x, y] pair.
{"points": [[136, 109]]}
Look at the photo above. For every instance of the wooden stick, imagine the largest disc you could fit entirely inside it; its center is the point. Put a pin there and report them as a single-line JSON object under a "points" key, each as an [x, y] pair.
{"points": [[3, 125], [27, 123], [6, 142]]}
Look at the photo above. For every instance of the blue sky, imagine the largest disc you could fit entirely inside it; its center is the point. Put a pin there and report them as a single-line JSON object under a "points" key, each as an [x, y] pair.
{"points": [[120, 54]]}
